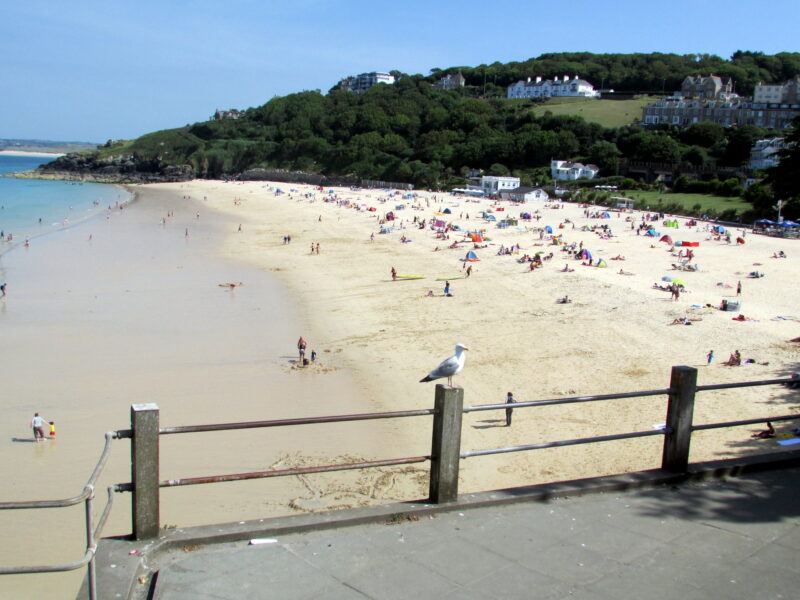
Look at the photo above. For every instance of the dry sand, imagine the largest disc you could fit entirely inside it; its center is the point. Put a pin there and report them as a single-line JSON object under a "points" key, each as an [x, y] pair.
{"points": [[139, 317]]}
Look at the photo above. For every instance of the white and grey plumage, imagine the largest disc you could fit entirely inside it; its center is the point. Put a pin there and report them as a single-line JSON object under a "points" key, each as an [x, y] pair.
{"points": [[448, 368]]}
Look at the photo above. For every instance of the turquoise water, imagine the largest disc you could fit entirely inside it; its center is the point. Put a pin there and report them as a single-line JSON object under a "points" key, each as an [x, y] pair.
{"points": [[30, 207]]}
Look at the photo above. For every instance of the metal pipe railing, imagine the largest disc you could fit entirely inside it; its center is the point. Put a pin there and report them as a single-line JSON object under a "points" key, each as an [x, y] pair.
{"points": [[569, 400], [92, 532], [295, 471], [298, 421], [743, 422], [561, 443]]}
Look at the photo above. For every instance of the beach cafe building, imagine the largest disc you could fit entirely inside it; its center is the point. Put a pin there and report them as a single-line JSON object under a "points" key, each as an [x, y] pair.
{"points": [[525, 194], [492, 185]]}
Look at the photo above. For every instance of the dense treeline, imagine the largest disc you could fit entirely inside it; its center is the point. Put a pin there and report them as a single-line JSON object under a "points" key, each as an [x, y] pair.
{"points": [[413, 132], [635, 73]]}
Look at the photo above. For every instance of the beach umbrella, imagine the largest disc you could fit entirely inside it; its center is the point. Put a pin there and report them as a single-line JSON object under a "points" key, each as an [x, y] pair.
{"points": [[678, 282], [548, 229], [447, 211], [765, 222], [789, 224], [665, 238]]}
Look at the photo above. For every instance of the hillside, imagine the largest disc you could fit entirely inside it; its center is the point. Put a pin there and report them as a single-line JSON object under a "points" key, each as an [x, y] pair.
{"points": [[608, 113]]}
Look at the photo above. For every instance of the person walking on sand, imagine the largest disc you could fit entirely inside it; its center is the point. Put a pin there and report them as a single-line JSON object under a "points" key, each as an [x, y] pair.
{"points": [[739, 288], [3, 290], [509, 400], [446, 288], [709, 357], [37, 424], [394, 274], [301, 348], [469, 271]]}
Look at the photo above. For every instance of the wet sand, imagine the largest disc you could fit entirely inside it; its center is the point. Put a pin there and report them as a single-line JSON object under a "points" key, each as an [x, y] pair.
{"points": [[135, 315]]}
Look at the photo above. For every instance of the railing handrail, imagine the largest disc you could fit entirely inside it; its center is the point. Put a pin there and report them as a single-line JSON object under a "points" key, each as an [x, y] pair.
{"points": [[294, 471], [296, 421], [85, 493], [92, 532], [561, 443], [569, 400]]}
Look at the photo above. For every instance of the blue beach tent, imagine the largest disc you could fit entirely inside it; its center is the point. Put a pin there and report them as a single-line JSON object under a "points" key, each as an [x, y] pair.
{"points": [[548, 229]]}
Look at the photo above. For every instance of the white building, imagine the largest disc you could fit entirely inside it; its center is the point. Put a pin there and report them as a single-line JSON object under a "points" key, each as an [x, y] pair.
{"points": [[492, 185], [784, 93], [525, 194], [451, 82], [556, 87], [764, 153], [565, 170], [364, 81]]}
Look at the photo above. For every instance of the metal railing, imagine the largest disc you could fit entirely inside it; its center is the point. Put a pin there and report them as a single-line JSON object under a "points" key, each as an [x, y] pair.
{"points": [[444, 458], [92, 533], [446, 452]]}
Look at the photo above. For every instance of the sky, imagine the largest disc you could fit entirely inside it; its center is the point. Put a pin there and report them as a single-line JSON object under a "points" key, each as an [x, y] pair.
{"points": [[91, 71]]}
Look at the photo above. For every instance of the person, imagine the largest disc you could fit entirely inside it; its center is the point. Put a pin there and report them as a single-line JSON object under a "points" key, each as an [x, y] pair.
{"points": [[37, 424], [314, 354], [734, 360], [509, 400], [564, 300], [739, 288], [724, 305], [3, 290], [317, 248], [429, 294], [447, 288], [709, 357], [769, 432], [240, 227], [469, 271], [301, 347], [394, 274]]}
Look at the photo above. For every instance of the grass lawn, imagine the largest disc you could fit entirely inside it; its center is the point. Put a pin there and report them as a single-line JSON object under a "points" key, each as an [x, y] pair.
{"points": [[706, 201], [609, 113]]}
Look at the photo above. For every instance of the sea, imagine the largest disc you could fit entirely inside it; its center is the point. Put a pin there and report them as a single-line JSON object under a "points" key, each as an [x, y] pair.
{"points": [[33, 207]]}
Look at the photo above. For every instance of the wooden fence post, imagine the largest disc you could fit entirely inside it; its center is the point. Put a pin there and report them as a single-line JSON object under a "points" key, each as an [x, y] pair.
{"points": [[446, 444], [144, 470], [680, 411]]}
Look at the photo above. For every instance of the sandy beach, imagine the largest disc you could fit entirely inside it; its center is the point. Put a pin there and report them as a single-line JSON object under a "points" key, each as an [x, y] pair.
{"points": [[137, 314], [35, 154], [615, 335]]}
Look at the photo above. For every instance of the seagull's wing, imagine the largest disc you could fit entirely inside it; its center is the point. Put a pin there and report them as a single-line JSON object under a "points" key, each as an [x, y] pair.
{"points": [[448, 368]]}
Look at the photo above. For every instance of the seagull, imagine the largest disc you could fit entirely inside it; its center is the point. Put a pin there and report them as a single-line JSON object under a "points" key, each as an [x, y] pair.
{"points": [[449, 367]]}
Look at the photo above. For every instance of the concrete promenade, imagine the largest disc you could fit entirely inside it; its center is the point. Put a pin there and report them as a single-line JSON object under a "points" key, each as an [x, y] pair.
{"points": [[732, 538]]}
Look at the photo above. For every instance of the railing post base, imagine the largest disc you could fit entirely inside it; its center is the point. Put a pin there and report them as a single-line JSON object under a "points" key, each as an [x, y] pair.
{"points": [[144, 470], [446, 444]]}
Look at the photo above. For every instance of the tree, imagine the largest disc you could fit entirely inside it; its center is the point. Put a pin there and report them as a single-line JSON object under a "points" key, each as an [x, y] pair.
{"points": [[783, 178], [498, 169], [606, 156], [704, 134]]}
